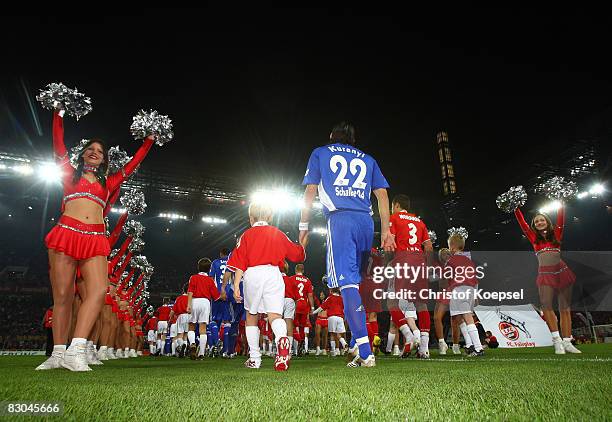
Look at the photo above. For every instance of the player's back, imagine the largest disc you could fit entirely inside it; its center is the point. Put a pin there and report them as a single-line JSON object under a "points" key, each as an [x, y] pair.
{"points": [[409, 230], [345, 176], [217, 269]]}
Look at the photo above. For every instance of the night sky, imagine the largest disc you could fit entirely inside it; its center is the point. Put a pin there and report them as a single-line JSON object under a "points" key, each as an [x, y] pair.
{"points": [[252, 92]]}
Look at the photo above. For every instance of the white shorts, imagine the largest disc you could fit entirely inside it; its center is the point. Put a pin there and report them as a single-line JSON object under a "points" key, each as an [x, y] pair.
{"points": [[162, 327], [173, 330], [182, 323], [408, 309], [335, 324], [151, 335], [289, 308], [264, 290], [462, 300], [200, 311]]}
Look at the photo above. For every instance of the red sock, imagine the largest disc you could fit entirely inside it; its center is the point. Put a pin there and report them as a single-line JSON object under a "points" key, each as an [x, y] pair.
{"points": [[370, 332], [398, 318], [221, 331], [375, 327], [424, 321]]}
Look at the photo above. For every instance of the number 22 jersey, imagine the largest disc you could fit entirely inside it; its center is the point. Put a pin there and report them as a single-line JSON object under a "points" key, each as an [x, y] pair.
{"points": [[345, 177]]}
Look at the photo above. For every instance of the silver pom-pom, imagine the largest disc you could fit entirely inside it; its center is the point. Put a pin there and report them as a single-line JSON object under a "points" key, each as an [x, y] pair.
{"points": [[106, 226], [148, 271], [113, 253], [511, 200], [117, 159], [152, 123], [136, 245], [76, 151], [557, 188], [124, 276], [140, 262], [134, 201], [461, 231], [59, 95], [133, 228], [433, 236]]}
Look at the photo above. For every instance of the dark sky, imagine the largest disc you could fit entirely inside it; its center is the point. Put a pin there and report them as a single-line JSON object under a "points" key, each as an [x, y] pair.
{"points": [[252, 92]]}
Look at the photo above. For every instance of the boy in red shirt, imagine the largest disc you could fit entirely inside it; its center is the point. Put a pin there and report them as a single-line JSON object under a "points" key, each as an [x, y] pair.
{"points": [[256, 256], [201, 291], [335, 319]]}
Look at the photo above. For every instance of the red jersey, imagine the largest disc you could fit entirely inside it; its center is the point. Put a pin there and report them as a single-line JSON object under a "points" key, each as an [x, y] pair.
{"points": [[333, 305], [290, 288], [180, 304], [163, 312], [152, 324], [201, 285], [48, 318], [263, 244], [464, 271], [410, 232], [303, 286]]}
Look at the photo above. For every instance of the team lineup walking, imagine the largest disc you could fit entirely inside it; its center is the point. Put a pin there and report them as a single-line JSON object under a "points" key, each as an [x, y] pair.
{"points": [[246, 302]]}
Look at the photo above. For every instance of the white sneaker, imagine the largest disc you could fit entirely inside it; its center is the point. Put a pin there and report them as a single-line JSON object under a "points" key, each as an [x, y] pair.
{"points": [[442, 347], [53, 362], [76, 359], [456, 349], [119, 354], [396, 351], [102, 354], [569, 347], [133, 353], [369, 362], [126, 354], [111, 354], [139, 353], [324, 352], [252, 363], [559, 349], [318, 353], [92, 358]]}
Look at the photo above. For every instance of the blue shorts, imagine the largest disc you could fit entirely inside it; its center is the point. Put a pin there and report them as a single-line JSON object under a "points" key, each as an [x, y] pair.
{"points": [[221, 311], [349, 240]]}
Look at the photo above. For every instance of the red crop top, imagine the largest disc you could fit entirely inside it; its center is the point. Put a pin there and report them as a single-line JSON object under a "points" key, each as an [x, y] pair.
{"points": [[544, 246], [84, 188]]}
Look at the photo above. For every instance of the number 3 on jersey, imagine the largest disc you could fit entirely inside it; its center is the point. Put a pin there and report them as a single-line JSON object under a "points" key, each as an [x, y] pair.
{"points": [[412, 232], [338, 162]]}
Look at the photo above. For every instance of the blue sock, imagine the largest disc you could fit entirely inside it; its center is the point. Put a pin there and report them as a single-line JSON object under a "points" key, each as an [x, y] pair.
{"points": [[356, 318], [213, 337], [226, 336], [233, 336]]}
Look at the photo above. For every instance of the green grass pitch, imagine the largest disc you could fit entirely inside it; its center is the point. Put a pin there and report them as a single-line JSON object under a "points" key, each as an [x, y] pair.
{"points": [[526, 384]]}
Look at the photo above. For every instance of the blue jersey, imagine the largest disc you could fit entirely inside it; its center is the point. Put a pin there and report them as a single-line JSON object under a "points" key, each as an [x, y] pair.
{"points": [[345, 175], [217, 269]]}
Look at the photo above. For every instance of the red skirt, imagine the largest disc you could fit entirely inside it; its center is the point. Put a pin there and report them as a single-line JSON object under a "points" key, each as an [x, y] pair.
{"points": [[107, 299], [557, 276], [77, 239], [322, 322], [115, 307]]}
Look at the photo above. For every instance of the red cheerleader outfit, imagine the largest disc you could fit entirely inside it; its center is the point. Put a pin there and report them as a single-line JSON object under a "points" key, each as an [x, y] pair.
{"points": [[73, 237], [558, 276]]}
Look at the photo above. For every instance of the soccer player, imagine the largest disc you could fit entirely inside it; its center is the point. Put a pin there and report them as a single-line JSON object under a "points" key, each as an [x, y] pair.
{"points": [[221, 317], [304, 289], [201, 291], [463, 293], [163, 315], [335, 320], [260, 249], [415, 249], [345, 177]]}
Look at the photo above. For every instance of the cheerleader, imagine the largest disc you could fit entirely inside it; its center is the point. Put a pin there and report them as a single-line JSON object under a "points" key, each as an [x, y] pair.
{"points": [[78, 241], [554, 276]]}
